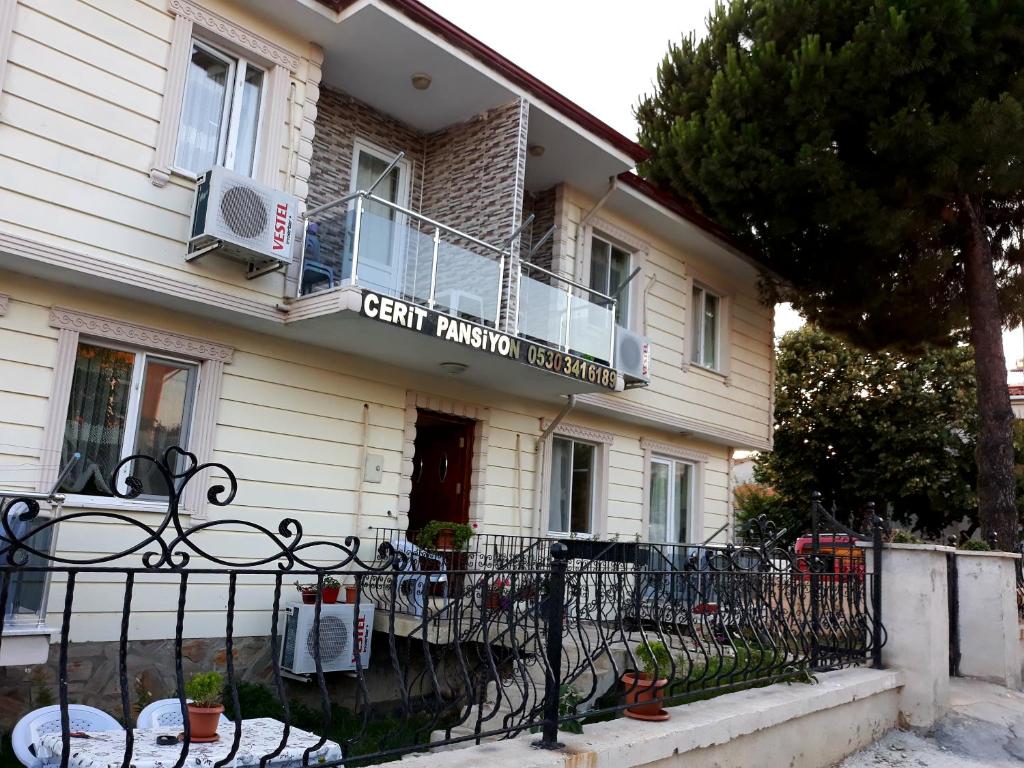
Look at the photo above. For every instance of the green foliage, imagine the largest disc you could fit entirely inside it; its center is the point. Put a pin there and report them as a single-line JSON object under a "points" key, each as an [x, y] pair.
{"points": [[427, 537], [381, 730], [869, 153], [904, 537], [860, 426], [754, 500], [975, 545], [330, 582], [204, 689], [654, 659]]}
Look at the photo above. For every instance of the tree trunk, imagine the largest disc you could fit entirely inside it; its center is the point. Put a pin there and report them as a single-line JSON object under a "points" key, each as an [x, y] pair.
{"points": [[997, 508]]}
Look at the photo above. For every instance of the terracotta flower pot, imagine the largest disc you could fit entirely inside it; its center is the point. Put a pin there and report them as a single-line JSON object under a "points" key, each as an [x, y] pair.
{"points": [[330, 594], [644, 695], [203, 722], [309, 598], [350, 595], [493, 600], [445, 539]]}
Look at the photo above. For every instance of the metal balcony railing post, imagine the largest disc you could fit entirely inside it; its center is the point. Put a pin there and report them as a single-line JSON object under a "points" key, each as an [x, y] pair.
{"points": [[611, 340], [433, 267], [568, 316], [501, 284], [553, 613], [519, 299], [355, 240]]}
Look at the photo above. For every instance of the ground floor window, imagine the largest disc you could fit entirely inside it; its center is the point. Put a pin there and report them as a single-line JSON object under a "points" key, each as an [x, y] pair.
{"points": [[125, 401], [671, 499], [573, 484]]}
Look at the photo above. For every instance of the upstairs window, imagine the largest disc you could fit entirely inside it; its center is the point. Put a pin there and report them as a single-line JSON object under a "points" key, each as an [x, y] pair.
{"points": [[125, 402], [704, 349], [609, 268], [220, 113]]}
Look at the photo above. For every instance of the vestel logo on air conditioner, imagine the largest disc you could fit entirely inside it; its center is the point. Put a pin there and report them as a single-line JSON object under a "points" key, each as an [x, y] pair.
{"points": [[281, 226]]}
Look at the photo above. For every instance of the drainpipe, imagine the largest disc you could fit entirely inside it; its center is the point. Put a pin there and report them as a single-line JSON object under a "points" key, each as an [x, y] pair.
{"points": [[362, 469], [613, 183], [539, 462], [519, 485]]}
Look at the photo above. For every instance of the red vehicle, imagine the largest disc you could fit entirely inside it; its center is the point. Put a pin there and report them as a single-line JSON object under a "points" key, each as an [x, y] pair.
{"points": [[838, 551]]}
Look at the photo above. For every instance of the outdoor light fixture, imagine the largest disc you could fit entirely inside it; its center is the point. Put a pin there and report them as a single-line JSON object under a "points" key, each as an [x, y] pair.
{"points": [[421, 81], [535, 150], [454, 369]]}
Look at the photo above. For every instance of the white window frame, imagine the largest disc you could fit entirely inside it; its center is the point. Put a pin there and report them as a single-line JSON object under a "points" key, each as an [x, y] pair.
{"points": [[231, 110], [671, 524], [195, 22], [362, 145], [696, 351], [602, 442], [630, 266], [131, 417], [657, 450]]}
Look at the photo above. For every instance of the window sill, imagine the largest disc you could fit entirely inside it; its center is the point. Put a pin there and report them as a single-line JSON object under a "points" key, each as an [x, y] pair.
{"points": [[25, 645], [710, 371], [110, 503], [160, 176]]}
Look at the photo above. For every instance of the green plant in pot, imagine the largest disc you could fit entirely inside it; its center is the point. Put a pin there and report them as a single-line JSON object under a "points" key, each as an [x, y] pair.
{"points": [[646, 687], [204, 691], [444, 535]]}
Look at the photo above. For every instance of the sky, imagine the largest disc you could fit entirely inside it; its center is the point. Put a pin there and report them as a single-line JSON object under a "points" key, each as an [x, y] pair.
{"points": [[605, 58]]}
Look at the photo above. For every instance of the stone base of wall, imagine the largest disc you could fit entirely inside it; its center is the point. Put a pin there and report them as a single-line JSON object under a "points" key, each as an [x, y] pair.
{"points": [[793, 725], [94, 675]]}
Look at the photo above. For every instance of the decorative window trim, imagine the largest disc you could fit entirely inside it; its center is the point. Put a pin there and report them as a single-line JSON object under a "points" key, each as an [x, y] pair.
{"points": [[478, 466], [603, 441], [279, 63], [6, 33], [138, 335], [4, 299], [655, 449], [212, 358], [724, 371]]}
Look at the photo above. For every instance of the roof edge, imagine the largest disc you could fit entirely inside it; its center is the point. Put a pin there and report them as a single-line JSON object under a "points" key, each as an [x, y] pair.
{"points": [[421, 14]]}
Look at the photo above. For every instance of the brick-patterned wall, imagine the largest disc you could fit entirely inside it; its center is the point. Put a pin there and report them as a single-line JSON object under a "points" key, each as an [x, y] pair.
{"points": [[542, 206]]}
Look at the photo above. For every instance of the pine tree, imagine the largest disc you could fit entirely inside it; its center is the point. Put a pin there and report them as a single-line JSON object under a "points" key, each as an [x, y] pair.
{"points": [[870, 152]]}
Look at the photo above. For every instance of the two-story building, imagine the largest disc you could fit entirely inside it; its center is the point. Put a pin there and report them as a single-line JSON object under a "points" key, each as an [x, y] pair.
{"points": [[421, 285]]}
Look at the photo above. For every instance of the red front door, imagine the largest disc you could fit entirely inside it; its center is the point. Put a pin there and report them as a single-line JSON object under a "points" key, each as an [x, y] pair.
{"points": [[441, 469]]}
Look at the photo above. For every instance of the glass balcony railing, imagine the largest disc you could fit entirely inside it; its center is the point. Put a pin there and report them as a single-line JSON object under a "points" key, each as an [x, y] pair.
{"points": [[564, 314], [363, 240], [391, 250]]}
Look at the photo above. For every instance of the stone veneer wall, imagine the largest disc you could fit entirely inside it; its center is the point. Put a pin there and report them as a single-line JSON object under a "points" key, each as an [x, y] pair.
{"points": [[542, 206]]}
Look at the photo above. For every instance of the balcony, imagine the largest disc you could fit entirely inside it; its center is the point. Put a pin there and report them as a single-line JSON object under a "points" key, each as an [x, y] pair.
{"points": [[475, 301]]}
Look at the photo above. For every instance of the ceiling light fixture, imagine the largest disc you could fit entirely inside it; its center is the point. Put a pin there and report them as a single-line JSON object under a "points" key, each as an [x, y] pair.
{"points": [[454, 369], [535, 150], [421, 81]]}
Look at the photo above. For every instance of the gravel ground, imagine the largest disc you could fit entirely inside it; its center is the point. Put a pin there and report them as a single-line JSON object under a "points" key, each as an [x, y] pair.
{"points": [[984, 729]]}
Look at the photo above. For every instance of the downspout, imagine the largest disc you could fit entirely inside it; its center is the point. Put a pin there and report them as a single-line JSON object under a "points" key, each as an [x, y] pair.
{"points": [[519, 485], [362, 469], [578, 256], [538, 471]]}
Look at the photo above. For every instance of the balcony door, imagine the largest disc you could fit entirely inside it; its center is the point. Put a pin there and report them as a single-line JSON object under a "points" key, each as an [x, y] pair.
{"points": [[383, 231]]}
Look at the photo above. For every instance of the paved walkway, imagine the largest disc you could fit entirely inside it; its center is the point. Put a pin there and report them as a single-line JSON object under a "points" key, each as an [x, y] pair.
{"points": [[984, 729]]}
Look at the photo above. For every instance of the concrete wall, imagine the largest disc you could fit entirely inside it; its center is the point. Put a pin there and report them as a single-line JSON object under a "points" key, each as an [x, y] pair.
{"points": [[799, 726], [989, 628]]}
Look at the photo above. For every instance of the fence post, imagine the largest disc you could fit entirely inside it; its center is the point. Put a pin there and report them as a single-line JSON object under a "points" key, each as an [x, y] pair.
{"points": [[554, 608], [814, 566], [877, 628]]}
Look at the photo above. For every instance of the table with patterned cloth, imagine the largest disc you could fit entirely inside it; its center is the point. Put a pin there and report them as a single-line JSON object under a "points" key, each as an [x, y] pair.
{"points": [[105, 749]]}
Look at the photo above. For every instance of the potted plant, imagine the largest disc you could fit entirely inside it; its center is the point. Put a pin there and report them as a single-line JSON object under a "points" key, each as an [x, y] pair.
{"points": [[329, 591], [308, 592], [442, 535], [350, 593], [645, 689], [499, 594], [204, 691]]}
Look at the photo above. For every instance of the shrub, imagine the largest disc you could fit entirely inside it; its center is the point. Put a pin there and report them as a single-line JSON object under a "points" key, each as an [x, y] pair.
{"points": [[974, 545], [655, 659], [427, 537], [205, 689]]}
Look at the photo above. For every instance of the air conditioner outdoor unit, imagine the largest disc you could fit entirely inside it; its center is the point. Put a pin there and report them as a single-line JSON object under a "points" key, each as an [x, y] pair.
{"points": [[341, 638], [243, 220], [632, 356]]}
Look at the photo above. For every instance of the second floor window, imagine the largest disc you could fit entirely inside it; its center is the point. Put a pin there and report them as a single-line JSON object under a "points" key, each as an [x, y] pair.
{"points": [[124, 402], [220, 113], [704, 347], [609, 268], [573, 484]]}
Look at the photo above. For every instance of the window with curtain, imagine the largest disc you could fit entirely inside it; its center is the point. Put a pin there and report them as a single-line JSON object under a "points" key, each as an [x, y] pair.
{"points": [[671, 495], [609, 268], [220, 112], [125, 402], [706, 322], [573, 482]]}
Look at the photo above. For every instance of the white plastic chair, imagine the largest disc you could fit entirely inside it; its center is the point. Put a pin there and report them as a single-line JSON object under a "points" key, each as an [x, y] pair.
{"points": [[164, 713], [28, 731]]}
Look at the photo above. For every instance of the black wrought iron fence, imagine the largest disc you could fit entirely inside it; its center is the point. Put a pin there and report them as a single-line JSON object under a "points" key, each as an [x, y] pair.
{"points": [[517, 636]]}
